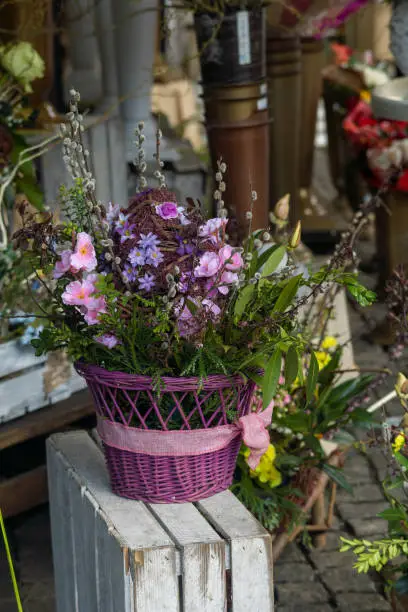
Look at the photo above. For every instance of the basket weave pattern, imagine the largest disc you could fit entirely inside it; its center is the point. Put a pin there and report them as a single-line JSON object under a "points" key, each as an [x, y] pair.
{"points": [[131, 401]]}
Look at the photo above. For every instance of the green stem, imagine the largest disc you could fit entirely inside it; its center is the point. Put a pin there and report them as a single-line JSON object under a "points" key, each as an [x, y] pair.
{"points": [[10, 562]]}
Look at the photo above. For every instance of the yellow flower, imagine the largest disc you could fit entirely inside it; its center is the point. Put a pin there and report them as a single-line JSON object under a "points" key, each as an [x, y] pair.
{"points": [[23, 62], [323, 359], [366, 96], [275, 477], [399, 442], [329, 342]]}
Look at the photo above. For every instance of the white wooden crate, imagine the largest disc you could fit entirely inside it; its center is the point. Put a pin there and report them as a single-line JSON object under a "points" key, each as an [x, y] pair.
{"points": [[21, 382], [117, 555]]}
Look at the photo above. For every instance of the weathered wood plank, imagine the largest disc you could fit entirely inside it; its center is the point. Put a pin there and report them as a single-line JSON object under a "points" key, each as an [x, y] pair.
{"points": [[251, 552], [203, 556], [22, 492], [62, 533], [143, 546], [25, 393], [21, 394], [48, 420], [83, 520], [15, 358]]}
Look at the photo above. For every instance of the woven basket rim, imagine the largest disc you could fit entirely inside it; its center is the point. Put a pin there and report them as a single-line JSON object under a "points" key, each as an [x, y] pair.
{"points": [[97, 374]]}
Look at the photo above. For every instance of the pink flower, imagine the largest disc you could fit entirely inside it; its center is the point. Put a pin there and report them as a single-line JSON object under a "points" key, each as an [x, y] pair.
{"points": [[209, 265], [227, 278], [167, 210], [64, 265], [232, 261], [78, 293], [95, 309], [84, 257], [212, 228], [109, 340]]}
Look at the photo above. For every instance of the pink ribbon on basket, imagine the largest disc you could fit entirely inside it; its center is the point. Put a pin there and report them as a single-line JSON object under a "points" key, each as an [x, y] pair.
{"points": [[255, 435], [184, 442]]}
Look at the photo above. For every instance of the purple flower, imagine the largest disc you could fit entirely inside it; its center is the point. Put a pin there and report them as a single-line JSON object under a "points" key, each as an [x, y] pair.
{"points": [[183, 283], [121, 221], [126, 232], [129, 273], [112, 213], [109, 340], [146, 282], [211, 307], [137, 257], [167, 210], [184, 248], [154, 257], [182, 216], [148, 241]]}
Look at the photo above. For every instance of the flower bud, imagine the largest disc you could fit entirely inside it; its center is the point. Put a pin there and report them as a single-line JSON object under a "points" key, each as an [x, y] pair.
{"points": [[294, 240], [281, 211]]}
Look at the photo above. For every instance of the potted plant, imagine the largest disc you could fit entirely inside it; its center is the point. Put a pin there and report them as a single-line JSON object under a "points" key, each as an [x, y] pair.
{"points": [[171, 325]]}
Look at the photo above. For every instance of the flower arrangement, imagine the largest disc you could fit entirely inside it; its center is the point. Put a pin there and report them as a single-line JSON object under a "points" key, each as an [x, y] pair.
{"points": [[153, 298]]}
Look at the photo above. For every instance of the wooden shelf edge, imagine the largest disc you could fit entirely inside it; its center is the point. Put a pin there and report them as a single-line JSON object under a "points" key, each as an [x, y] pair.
{"points": [[46, 420]]}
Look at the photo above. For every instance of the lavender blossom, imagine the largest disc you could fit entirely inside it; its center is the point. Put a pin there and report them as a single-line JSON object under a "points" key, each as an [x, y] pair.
{"points": [[146, 282], [154, 257], [129, 273], [148, 241], [126, 232], [137, 257], [184, 248]]}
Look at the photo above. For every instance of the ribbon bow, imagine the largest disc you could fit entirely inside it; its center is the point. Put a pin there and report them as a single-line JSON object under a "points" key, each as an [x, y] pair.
{"points": [[255, 434]]}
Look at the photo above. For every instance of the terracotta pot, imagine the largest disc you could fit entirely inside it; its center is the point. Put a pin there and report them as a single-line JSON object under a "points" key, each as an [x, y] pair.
{"points": [[238, 131], [284, 91]]}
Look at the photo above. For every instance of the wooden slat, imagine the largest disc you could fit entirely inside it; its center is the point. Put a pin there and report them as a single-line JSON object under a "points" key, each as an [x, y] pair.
{"points": [[203, 556], [83, 518], [62, 534], [251, 552], [14, 358], [49, 419], [140, 546], [23, 492]]}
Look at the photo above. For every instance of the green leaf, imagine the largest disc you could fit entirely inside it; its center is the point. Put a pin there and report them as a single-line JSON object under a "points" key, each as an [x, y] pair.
{"points": [[191, 306], [272, 258], [403, 461], [243, 299], [326, 374], [287, 294], [291, 365], [392, 514], [271, 377], [337, 475], [32, 191], [314, 444], [312, 376]]}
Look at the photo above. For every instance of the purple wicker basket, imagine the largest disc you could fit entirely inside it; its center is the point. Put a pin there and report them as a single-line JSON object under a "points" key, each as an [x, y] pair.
{"points": [[177, 446]]}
